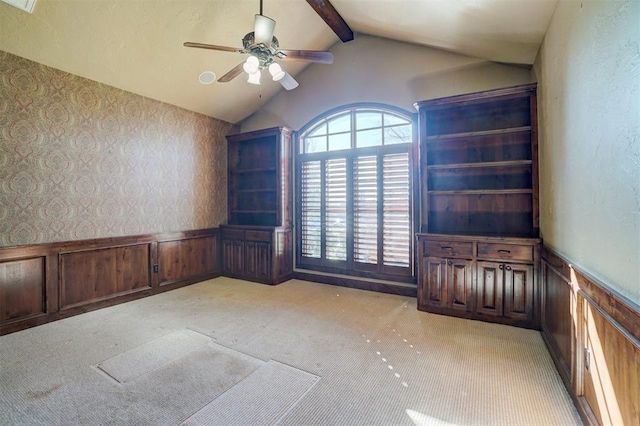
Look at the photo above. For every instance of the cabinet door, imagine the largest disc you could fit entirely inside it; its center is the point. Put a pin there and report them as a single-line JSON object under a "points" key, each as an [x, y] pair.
{"points": [[227, 256], [263, 261], [432, 289], [257, 261], [459, 286], [518, 283], [250, 259], [233, 257], [489, 291]]}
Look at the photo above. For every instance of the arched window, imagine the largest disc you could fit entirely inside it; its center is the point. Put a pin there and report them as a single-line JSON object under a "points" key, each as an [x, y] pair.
{"points": [[354, 192]]}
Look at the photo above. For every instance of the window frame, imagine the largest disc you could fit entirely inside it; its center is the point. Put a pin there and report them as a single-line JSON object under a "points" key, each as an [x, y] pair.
{"points": [[350, 266]]}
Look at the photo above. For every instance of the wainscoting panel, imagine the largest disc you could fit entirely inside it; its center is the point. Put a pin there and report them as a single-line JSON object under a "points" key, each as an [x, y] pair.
{"points": [[22, 288], [187, 257], [92, 275], [611, 369], [46, 282], [557, 321], [593, 336]]}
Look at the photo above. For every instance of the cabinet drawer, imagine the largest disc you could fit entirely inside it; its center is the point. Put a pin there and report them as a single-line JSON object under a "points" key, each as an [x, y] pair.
{"points": [[232, 234], [448, 248], [505, 251], [258, 235]]}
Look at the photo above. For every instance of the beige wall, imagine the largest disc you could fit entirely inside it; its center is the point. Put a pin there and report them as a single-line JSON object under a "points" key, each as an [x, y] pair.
{"points": [[589, 110], [372, 69], [80, 160]]}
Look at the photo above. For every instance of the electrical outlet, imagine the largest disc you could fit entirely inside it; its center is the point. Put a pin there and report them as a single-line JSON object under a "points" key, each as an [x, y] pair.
{"points": [[587, 358], [155, 268]]}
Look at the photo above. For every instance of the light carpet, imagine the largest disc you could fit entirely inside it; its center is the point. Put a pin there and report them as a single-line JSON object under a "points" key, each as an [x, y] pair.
{"points": [[263, 398], [365, 359]]}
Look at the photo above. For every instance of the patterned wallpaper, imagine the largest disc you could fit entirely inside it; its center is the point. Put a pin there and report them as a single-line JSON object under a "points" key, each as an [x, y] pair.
{"points": [[79, 160]]}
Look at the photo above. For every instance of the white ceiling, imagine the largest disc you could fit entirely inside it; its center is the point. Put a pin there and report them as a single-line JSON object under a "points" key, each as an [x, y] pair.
{"points": [[136, 45]]}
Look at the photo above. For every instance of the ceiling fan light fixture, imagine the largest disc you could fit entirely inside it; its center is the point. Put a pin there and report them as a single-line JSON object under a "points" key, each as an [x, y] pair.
{"points": [[276, 72], [251, 65], [263, 48], [254, 78]]}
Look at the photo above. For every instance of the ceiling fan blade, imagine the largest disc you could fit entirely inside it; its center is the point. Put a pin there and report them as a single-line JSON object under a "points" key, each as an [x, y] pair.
{"points": [[318, 56], [331, 16], [235, 71], [263, 30], [288, 82], [213, 47]]}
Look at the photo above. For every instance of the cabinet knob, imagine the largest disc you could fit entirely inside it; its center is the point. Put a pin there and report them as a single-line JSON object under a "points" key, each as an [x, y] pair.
{"points": [[443, 262], [501, 267], [508, 268], [450, 263]]}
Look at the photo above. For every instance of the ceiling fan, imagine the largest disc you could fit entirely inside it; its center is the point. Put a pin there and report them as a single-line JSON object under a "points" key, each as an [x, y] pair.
{"points": [[264, 52]]}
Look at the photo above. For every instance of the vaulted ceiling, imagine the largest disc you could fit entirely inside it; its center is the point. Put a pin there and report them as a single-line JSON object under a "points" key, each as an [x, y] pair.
{"points": [[136, 45]]}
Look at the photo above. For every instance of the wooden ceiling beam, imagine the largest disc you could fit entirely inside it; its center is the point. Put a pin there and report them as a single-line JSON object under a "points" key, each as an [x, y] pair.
{"points": [[330, 15]]}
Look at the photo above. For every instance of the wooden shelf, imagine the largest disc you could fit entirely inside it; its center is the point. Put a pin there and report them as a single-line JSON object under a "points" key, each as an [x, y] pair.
{"points": [[479, 163], [257, 190], [256, 170], [516, 163], [483, 192], [254, 211], [258, 185], [466, 135]]}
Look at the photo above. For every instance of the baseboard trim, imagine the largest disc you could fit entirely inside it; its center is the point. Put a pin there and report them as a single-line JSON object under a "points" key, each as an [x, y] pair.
{"points": [[401, 289]]}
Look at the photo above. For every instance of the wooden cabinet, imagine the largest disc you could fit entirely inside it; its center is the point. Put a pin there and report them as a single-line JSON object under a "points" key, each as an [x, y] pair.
{"points": [[489, 288], [448, 284], [479, 163], [484, 278], [478, 250], [519, 291], [260, 254], [505, 289], [233, 257], [256, 243]]}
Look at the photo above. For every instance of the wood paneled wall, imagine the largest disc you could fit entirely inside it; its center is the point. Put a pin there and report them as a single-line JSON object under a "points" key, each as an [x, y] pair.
{"points": [[180, 259], [43, 283], [88, 276], [593, 335]]}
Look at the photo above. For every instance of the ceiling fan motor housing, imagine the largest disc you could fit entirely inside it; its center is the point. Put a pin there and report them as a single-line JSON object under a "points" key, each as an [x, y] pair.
{"points": [[264, 53]]}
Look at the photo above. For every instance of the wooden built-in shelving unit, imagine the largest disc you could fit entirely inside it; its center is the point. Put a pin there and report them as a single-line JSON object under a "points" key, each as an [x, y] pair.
{"points": [[256, 242], [479, 187]]}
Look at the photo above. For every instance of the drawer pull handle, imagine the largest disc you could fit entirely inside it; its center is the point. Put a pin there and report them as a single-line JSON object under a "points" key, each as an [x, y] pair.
{"points": [[504, 251], [447, 248]]}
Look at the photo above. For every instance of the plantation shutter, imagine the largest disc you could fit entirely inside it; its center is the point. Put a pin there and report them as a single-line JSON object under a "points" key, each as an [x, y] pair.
{"points": [[311, 209], [365, 209], [396, 218], [336, 209]]}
